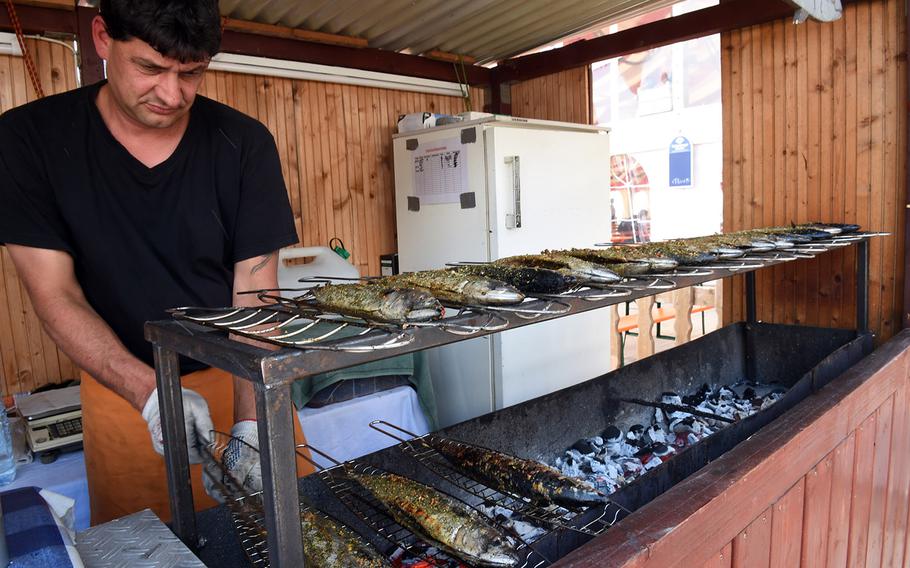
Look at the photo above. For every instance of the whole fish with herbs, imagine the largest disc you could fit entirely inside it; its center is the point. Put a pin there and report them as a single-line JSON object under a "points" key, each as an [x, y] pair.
{"points": [[440, 519], [527, 279], [583, 271], [536, 481], [457, 288], [328, 543], [371, 302], [624, 263]]}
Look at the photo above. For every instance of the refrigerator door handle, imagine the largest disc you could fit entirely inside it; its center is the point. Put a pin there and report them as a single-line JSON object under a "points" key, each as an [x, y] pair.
{"points": [[513, 219]]}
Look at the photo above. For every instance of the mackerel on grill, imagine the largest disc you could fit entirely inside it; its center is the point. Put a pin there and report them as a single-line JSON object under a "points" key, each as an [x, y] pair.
{"points": [[328, 543], [536, 481], [622, 260], [440, 519], [583, 271], [456, 288], [377, 303], [527, 279]]}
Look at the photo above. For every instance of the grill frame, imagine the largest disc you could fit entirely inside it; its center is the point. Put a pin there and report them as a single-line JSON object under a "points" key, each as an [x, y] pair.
{"points": [[271, 373]]}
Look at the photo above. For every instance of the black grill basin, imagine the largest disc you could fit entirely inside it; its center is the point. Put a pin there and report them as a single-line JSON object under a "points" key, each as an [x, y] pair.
{"points": [[803, 359]]}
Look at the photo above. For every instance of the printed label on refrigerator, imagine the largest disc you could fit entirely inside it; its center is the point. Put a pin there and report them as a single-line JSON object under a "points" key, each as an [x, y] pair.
{"points": [[440, 171]]}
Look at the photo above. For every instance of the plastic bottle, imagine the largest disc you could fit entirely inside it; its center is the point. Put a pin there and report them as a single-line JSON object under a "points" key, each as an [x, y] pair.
{"points": [[7, 462]]}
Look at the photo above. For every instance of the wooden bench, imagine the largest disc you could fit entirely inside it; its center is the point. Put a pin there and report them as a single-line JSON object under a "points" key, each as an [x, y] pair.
{"points": [[658, 309], [665, 313]]}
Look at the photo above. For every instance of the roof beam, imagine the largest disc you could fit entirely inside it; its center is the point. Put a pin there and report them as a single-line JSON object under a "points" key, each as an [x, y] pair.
{"points": [[368, 59], [723, 17], [36, 20]]}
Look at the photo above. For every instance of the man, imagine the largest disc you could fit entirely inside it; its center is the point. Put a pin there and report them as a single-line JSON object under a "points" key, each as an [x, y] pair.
{"points": [[125, 198]]}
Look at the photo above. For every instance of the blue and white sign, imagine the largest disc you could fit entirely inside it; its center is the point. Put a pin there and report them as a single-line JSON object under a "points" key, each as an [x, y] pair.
{"points": [[680, 162]]}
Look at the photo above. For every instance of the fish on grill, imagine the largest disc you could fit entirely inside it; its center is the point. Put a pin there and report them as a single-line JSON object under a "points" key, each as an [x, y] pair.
{"points": [[527, 279], [328, 543], [536, 481], [622, 260], [679, 251], [583, 271], [456, 287], [389, 304], [440, 519]]}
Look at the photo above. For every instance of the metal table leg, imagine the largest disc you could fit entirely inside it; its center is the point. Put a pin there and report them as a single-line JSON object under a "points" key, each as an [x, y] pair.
{"points": [[750, 297], [279, 475], [170, 399], [862, 285]]}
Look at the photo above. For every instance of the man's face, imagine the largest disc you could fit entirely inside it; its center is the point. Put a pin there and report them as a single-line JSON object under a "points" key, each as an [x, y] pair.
{"points": [[152, 90]]}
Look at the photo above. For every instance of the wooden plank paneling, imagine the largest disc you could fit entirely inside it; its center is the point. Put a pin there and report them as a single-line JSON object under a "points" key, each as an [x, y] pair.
{"points": [[815, 514], [841, 487], [722, 559], [335, 145], [861, 493], [28, 357], [563, 96], [752, 547], [787, 527], [835, 126]]}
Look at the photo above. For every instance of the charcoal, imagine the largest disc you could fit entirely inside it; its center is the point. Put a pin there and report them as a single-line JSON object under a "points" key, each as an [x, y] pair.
{"points": [[585, 446], [611, 433]]}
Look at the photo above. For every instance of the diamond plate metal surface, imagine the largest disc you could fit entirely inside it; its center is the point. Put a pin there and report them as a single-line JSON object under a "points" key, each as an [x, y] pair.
{"points": [[139, 540]]}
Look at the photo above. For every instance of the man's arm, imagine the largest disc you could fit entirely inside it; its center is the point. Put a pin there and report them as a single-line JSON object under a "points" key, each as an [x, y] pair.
{"points": [[75, 327], [255, 273]]}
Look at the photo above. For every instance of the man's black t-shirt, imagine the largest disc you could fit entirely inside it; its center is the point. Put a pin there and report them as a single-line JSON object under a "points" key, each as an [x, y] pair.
{"points": [[142, 239]]}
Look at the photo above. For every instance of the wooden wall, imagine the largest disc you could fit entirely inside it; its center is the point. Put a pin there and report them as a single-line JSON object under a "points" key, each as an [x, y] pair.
{"points": [[564, 96], [28, 358], [826, 484], [335, 143], [815, 130]]}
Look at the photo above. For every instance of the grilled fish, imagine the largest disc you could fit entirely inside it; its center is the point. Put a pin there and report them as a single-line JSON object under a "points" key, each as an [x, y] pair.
{"points": [[583, 271], [680, 251], [378, 303], [443, 520], [328, 543], [623, 260], [526, 279], [457, 288], [540, 483]]}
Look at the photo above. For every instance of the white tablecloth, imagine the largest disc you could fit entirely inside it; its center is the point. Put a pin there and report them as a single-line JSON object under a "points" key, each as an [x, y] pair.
{"points": [[343, 431], [65, 476]]}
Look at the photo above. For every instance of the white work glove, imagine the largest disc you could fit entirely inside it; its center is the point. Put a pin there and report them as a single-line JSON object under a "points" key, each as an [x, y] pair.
{"points": [[196, 420], [241, 460]]}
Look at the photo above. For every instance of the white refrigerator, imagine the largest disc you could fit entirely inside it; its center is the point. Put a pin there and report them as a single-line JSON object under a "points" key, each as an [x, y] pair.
{"points": [[495, 187]]}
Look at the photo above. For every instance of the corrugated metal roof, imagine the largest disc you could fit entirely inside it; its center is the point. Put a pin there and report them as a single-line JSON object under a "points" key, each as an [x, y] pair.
{"points": [[487, 30]]}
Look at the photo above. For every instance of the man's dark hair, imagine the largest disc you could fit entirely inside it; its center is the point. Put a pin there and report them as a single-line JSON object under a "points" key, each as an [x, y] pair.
{"points": [[185, 30]]}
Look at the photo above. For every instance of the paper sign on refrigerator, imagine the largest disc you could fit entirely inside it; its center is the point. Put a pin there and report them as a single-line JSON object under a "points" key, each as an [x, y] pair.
{"points": [[440, 171]]}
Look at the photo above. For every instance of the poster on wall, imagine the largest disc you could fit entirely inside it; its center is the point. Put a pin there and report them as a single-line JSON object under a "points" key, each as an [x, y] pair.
{"points": [[440, 171], [680, 162]]}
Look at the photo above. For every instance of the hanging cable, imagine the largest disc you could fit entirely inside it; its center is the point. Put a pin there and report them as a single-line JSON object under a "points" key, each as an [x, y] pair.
{"points": [[29, 64]]}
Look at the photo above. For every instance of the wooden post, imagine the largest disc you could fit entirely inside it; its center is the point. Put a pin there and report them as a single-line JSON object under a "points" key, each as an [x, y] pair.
{"points": [[682, 306], [645, 325], [616, 344]]}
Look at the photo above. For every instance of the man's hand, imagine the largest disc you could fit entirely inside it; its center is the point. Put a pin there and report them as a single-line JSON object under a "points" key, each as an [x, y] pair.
{"points": [[240, 459], [196, 420]]}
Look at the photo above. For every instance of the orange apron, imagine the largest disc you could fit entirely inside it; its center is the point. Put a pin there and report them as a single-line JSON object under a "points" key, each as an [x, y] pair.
{"points": [[124, 472]]}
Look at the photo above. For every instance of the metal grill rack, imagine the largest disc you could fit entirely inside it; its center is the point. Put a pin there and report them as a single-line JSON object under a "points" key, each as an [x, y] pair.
{"points": [[363, 504], [552, 517], [272, 371]]}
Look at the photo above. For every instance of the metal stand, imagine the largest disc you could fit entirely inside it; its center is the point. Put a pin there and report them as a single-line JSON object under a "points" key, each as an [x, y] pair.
{"points": [[862, 285], [273, 372]]}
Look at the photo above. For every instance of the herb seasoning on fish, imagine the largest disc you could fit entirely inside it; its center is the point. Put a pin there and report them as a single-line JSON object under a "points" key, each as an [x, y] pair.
{"points": [[526, 279], [327, 544], [457, 288], [378, 303], [536, 481], [443, 520], [583, 271]]}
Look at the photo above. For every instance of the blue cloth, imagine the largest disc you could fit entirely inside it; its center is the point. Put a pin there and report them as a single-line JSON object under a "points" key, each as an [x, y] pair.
{"points": [[33, 539]]}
